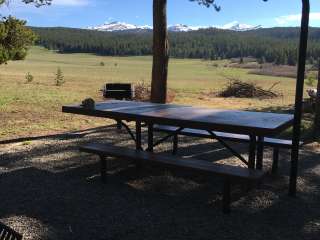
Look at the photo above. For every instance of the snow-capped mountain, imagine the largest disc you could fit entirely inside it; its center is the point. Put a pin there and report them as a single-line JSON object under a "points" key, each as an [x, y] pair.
{"points": [[183, 28], [236, 26], [119, 26], [122, 26]]}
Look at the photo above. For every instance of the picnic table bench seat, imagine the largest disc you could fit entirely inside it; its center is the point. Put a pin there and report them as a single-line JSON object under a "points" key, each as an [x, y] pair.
{"points": [[227, 172], [274, 143]]}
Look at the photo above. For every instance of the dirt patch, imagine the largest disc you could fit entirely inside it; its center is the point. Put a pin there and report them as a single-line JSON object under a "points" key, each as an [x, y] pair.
{"points": [[276, 71], [166, 184], [250, 65]]}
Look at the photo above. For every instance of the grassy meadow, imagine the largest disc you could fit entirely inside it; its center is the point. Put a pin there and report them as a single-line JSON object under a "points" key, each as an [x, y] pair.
{"points": [[35, 108]]}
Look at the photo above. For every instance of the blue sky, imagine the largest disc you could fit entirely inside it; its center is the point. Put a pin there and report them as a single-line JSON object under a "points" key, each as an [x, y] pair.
{"points": [[83, 13]]}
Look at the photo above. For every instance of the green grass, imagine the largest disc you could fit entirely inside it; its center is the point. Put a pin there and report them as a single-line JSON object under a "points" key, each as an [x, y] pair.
{"points": [[28, 109]]}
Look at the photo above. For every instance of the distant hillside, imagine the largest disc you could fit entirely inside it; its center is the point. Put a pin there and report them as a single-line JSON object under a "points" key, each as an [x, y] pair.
{"points": [[277, 45]]}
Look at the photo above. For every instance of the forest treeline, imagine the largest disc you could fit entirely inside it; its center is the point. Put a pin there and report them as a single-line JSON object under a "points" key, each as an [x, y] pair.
{"points": [[278, 45]]}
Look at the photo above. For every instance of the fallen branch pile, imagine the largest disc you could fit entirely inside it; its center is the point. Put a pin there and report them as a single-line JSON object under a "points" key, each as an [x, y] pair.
{"points": [[239, 89]]}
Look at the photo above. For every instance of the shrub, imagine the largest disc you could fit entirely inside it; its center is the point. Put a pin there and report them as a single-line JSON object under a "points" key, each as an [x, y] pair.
{"points": [[29, 77], [102, 64], [59, 79], [311, 80], [143, 92]]}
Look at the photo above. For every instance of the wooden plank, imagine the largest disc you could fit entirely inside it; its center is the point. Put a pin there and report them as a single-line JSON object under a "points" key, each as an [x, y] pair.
{"points": [[169, 160], [243, 122]]}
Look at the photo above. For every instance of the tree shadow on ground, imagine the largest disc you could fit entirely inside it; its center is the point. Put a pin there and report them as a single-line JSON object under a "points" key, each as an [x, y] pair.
{"points": [[50, 191], [288, 109]]}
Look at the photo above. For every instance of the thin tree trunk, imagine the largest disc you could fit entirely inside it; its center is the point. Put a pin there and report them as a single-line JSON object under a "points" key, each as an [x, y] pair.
{"points": [[317, 113], [296, 135], [160, 52]]}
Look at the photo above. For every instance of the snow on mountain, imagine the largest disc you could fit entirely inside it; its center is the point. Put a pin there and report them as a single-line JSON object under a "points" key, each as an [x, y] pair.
{"points": [[236, 26], [122, 26], [183, 28], [119, 26], [179, 28], [233, 26]]}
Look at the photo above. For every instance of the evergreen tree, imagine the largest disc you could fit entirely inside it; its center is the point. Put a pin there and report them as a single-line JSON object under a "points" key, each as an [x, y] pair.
{"points": [[29, 77], [206, 43], [59, 79], [15, 39]]}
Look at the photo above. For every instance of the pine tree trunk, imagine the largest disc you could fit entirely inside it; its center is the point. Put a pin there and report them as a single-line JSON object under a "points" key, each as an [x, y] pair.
{"points": [[317, 113], [160, 52]]}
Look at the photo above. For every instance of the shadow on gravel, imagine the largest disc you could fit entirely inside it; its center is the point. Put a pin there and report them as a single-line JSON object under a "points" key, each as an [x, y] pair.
{"points": [[51, 191], [68, 135]]}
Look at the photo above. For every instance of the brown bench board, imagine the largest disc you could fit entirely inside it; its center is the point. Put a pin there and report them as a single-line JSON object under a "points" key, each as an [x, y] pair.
{"points": [[201, 165]]}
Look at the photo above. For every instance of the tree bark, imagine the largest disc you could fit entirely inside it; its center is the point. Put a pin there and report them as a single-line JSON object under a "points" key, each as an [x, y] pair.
{"points": [[160, 52], [317, 113], [296, 135]]}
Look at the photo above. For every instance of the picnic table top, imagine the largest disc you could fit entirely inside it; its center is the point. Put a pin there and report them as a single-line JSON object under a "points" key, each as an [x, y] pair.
{"points": [[235, 121]]}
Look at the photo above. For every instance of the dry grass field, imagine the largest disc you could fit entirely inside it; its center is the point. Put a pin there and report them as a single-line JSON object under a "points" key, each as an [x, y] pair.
{"points": [[35, 108]]}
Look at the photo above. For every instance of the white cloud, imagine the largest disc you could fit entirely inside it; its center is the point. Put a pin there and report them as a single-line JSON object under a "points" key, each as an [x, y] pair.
{"points": [[294, 18], [70, 2]]}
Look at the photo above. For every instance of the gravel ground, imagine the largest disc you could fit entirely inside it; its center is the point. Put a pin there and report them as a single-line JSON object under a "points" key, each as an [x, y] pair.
{"points": [[51, 191]]}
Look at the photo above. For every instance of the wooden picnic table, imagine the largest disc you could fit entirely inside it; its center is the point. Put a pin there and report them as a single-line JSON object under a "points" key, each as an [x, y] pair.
{"points": [[257, 125]]}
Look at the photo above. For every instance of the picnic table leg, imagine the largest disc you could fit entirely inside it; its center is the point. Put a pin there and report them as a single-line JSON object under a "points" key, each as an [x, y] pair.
{"points": [[252, 157], [252, 151], [260, 152], [150, 137], [138, 144], [138, 135], [119, 125], [226, 198], [275, 161], [175, 144], [103, 168]]}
